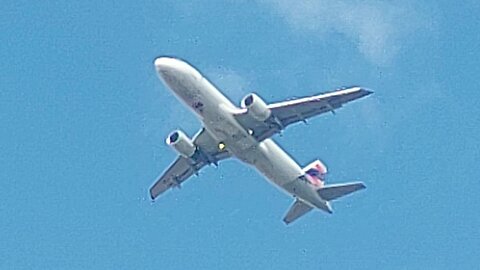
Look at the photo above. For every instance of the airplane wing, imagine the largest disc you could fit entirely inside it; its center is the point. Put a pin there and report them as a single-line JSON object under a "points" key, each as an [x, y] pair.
{"points": [[182, 168], [292, 111]]}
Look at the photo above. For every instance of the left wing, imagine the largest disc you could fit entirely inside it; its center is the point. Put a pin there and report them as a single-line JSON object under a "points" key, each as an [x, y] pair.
{"points": [[182, 168], [292, 111]]}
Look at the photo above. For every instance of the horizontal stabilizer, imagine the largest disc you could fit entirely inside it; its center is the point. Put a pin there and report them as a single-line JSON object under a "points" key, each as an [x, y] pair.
{"points": [[333, 192], [297, 210]]}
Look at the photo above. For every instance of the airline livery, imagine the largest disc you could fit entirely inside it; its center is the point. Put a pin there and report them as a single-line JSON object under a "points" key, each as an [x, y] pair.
{"points": [[245, 133]]}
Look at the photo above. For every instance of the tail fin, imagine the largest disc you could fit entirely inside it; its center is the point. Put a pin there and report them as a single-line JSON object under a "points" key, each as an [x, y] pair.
{"points": [[333, 192], [297, 210], [315, 173]]}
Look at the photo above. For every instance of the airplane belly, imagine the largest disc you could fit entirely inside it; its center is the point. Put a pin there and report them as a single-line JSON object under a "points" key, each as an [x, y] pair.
{"points": [[284, 172], [220, 122], [274, 163]]}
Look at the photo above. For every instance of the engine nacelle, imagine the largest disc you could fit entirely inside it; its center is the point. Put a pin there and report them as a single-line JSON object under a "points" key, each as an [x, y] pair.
{"points": [[181, 143], [256, 107]]}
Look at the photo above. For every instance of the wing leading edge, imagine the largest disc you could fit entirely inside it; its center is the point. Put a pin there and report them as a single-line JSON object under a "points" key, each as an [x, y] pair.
{"points": [[292, 111], [182, 168]]}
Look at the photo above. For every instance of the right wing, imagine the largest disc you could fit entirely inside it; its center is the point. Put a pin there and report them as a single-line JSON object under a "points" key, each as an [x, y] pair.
{"points": [[292, 111], [182, 168]]}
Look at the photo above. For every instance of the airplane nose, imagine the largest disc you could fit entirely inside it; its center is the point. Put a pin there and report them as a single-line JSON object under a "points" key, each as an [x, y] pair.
{"points": [[167, 68], [163, 64], [170, 68]]}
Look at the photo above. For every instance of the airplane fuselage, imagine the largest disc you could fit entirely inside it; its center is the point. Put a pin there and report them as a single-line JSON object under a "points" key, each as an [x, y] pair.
{"points": [[216, 112]]}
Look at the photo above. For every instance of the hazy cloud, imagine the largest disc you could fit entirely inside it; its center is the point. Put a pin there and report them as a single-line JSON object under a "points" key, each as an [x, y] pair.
{"points": [[230, 83], [377, 28]]}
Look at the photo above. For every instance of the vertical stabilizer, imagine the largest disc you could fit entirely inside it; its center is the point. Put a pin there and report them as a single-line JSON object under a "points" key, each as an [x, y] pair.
{"points": [[315, 173]]}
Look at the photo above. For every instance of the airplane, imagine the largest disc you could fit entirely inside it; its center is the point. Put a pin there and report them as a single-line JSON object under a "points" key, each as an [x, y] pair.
{"points": [[245, 133]]}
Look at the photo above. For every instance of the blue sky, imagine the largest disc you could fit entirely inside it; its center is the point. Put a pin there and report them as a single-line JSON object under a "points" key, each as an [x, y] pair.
{"points": [[84, 118]]}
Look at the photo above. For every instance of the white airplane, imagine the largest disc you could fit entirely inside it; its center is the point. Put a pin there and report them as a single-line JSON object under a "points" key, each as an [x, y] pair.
{"points": [[244, 133]]}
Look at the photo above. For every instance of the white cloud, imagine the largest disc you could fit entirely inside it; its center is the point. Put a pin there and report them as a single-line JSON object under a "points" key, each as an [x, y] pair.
{"points": [[377, 28]]}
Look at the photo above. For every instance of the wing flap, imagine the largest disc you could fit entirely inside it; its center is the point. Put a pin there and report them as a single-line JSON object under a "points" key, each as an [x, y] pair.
{"points": [[179, 171], [292, 111], [183, 168]]}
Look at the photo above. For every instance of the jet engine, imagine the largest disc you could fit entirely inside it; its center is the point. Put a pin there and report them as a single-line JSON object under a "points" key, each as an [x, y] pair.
{"points": [[256, 107], [181, 143]]}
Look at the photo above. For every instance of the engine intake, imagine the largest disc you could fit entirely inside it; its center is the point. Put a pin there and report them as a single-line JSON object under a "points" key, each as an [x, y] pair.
{"points": [[256, 107], [181, 143]]}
